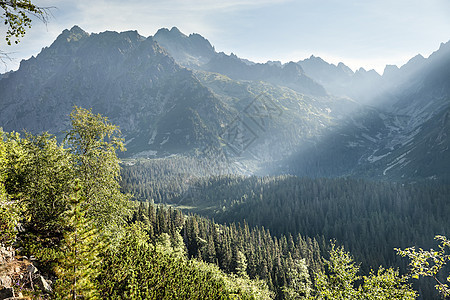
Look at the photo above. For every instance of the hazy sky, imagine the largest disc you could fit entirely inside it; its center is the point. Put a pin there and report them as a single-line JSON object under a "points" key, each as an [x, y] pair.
{"points": [[364, 33]]}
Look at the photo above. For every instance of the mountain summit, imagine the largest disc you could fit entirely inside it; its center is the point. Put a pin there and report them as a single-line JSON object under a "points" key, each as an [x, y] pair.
{"points": [[124, 76], [174, 94], [192, 50]]}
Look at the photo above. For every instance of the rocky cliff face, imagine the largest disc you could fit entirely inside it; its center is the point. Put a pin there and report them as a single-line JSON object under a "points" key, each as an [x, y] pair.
{"points": [[190, 51], [420, 101], [19, 276], [161, 107], [174, 94], [124, 76], [194, 51], [404, 135]]}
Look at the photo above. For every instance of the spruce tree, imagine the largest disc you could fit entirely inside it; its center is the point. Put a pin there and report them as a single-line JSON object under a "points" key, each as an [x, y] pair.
{"points": [[79, 261]]}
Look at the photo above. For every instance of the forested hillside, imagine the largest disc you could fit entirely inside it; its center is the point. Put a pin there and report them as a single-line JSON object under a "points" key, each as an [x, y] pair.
{"points": [[241, 180], [369, 218], [69, 232], [62, 211]]}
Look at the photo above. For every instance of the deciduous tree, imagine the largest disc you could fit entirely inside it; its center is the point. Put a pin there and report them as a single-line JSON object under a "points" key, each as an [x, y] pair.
{"points": [[93, 141], [343, 282], [430, 263], [17, 16]]}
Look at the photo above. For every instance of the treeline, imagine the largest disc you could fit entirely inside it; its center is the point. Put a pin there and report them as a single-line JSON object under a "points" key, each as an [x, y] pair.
{"points": [[165, 179], [61, 204], [369, 218], [237, 249]]}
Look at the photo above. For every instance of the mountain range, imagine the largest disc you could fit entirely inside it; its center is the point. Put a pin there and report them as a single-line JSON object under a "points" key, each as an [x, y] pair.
{"points": [[173, 94]]}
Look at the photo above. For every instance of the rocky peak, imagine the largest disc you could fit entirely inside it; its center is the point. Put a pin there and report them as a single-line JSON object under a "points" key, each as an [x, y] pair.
{"points": [[390, 70], [73, 35], [132, 35], [390, 75], [344, 68], [193, 50], [445, 46], [274, 63], [361, 70], [417, 60], [441, 56], [293, 69], [174, 32]]}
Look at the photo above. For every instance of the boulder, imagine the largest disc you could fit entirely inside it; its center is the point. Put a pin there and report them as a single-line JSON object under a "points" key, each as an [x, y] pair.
{"points": [[6, 254]]}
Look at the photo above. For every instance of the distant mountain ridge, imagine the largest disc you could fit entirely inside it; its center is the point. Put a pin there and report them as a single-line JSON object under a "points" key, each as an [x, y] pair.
{"points": [[161, 107], [196, 52], [407, 135], [124, 76], [174, 94]]}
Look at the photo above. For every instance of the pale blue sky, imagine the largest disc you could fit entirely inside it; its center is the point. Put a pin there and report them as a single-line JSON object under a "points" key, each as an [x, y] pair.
{"points": [[362, 33]]}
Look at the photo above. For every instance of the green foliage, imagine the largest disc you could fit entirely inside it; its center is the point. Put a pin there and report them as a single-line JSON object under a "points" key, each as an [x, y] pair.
{"points": [[430, 263], [47, 183], [341, 279], [386, 284], [17, 16], [79, 260], [70, 199], [368, 218], [8, 219], [137, 270], [37, 179], [47, 175], [299, 284], [173, 246], [2, 164], [93, 141], [245, 254], [8, 213], [241, 264], [238, 287], [342, 282]]}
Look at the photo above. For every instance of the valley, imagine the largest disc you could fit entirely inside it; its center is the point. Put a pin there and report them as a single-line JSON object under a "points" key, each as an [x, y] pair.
{"points": [[238, 171]]}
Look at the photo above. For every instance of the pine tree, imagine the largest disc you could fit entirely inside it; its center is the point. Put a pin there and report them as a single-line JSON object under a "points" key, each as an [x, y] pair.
{"points": [[241, 264], [79, 261], [298, 281]]}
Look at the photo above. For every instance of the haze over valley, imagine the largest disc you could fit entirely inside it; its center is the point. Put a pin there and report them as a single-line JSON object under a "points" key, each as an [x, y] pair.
{"points": [[173, 94], [240, 179]]}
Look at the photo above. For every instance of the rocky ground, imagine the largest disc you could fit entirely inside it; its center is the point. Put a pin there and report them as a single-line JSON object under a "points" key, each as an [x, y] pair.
{"points": [[20, 277]]}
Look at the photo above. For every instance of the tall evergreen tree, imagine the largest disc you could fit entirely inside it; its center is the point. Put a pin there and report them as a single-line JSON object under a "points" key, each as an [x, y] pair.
{"points": [[79, 261]]}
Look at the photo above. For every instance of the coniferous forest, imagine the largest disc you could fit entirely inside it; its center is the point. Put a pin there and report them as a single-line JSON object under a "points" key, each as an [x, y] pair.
{"points": [[94, 230], [242, 180]]}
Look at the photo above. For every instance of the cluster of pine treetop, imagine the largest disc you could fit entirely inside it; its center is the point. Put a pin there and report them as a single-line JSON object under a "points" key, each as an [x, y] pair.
{"points": [[96, 242], [369, 218]]}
